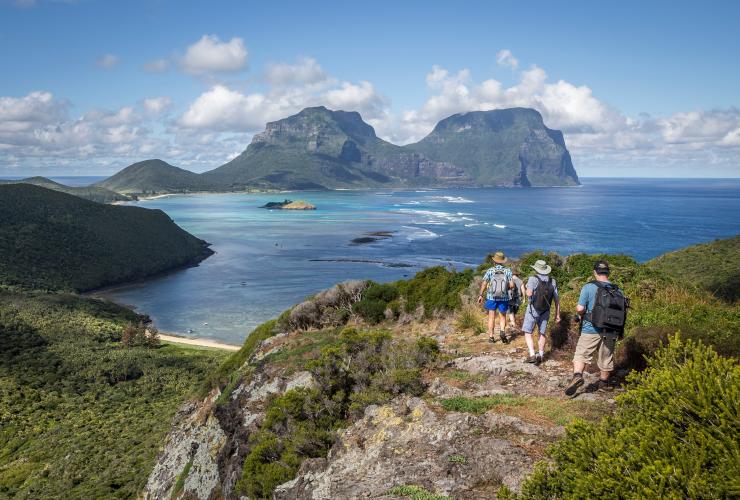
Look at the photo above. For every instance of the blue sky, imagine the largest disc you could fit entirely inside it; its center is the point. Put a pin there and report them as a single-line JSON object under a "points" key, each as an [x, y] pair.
{"points": [[639, 88]]}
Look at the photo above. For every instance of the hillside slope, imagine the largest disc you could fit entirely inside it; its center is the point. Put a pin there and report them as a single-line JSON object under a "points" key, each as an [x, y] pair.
{"points": [[52, 240], [713, 266], [92, 193], [509, 147], [155, 177]]}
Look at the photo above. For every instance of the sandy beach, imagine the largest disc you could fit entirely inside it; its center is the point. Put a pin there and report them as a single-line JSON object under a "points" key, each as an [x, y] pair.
{"points": [[198, 342]]}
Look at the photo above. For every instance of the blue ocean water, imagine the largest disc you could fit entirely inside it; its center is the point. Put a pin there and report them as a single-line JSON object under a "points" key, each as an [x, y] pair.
{"points": [[266, 260]]}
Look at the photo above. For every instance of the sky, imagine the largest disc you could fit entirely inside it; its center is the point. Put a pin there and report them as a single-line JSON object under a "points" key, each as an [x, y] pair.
{"points": [[640, 89]]}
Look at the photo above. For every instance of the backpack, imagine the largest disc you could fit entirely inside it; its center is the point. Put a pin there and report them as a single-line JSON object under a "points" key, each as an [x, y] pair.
{"points": [[609, 311], [515, 298], [499, 285], [542, 296]]}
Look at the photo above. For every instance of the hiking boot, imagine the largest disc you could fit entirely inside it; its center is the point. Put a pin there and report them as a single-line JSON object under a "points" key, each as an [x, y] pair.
{"points": [[575, 383], [531, 359], [503, 338], [537, 359], [603, 386], [491, 339]]}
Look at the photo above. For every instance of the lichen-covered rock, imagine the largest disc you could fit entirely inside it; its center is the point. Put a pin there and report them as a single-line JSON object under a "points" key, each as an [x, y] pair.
{"points": [[408, 443]]}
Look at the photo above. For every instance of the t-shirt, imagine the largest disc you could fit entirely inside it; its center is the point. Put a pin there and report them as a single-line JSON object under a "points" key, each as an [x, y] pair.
{"points": [[532, 284], [587, 300], [489, 276], [516, 292]]}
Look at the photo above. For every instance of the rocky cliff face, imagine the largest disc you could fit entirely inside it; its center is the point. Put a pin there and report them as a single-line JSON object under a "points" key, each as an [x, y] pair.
{"points": [[509, 147], [434, 444]]}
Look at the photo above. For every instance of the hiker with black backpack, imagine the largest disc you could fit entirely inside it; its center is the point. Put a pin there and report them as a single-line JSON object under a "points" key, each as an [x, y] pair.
{"points": [[518, 294], [602, 312], [496, 283], [541, 290]]}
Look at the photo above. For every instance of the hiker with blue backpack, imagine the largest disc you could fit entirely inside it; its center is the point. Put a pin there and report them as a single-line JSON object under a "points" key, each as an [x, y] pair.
{"points": [[541, 291], [602, 313], [497, 282]]}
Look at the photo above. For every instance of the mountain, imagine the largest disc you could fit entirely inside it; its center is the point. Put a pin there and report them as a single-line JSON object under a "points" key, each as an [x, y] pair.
{"points": [[319, 148], [92, 193], [323, 149], [155, 177], [510, 147], [53, 240]]}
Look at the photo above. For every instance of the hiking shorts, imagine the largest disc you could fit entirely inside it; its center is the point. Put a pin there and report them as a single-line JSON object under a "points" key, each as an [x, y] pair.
{"points": [[497, 305], [589, 343], [530, 321]]}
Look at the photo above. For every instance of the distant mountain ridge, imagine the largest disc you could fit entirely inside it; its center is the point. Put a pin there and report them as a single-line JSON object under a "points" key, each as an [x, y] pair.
{"points": [[318, 148], [93, 193]]}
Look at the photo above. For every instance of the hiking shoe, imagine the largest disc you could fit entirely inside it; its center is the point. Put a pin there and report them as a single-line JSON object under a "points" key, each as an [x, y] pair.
{"points": [[575, 383], [603, 386], [531, 359], [537, 359], [504, 339], [491, 339]]}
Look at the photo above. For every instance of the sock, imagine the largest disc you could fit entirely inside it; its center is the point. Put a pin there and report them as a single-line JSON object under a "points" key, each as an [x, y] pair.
{"points": [[531, 352], [542, 353]]}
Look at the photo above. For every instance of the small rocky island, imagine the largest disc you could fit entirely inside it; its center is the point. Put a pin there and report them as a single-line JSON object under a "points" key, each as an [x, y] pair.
{"points": [[289, 205]]}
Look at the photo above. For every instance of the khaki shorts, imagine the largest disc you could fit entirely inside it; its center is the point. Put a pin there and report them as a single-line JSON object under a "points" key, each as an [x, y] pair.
{"points": [[589, 343]]}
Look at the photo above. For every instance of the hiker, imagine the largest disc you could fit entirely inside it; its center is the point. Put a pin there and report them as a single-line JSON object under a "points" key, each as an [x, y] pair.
{"points": [[518, 293], [541, 291], [497, 281], [602, 313]]}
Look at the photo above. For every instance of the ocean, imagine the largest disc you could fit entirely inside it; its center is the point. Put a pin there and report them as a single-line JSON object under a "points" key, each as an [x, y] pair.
{"points": [[268, 260]]}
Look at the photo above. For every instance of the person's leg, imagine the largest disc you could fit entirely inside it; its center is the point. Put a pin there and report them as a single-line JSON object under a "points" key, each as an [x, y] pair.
{"points": [[605, 361], [528, 325], [542, 340], [503, 307], [587, 345], [491, 314]]}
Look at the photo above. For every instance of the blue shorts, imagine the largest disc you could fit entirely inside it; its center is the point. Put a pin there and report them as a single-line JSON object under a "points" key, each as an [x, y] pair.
{"points": [[497, 305], [530, 321]]}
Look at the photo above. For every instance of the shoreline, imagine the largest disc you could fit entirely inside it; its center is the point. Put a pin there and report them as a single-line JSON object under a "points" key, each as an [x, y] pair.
{"points": [[197, 342]]}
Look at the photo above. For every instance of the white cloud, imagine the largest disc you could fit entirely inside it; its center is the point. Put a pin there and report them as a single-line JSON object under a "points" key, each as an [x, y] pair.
{"points": [[506, 58], [108, 61], [156, 105], [157, 66], [210, 55], [305, 71]]}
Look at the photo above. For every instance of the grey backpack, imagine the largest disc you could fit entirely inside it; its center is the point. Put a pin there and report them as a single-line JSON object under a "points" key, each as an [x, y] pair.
{"points": [[499, 285]]}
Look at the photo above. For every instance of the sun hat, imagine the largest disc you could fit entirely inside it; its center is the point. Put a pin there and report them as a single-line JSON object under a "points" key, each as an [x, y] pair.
{"points": [[601, 267], [499, 257], [541, 267]]}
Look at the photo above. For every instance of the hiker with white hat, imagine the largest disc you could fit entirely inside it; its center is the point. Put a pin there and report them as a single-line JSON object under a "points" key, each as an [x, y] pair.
{"points": [[497, 281], [541, 290]]}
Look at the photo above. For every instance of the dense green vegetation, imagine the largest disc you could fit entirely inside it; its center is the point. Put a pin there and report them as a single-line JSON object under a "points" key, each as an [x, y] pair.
{"points": [[92, 193], [152, 177], [358, 369], [674, 435], [489, 145], [83, 411], [55, 241], [713, 266]]}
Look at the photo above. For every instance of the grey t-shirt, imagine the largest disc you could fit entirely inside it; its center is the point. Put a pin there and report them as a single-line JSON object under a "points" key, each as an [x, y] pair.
{"points": [[516, 293], [532, 284]]}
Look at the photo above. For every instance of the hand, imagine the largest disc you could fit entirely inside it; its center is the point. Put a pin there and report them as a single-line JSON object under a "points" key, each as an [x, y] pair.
{"points": [[577, 319], [480, 299], [557, 319]]}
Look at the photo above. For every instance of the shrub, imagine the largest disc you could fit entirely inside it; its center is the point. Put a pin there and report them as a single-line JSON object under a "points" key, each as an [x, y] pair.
{"points": [[362, 368], [372, 311], [436, 288], [674, 435], [469, 318]]}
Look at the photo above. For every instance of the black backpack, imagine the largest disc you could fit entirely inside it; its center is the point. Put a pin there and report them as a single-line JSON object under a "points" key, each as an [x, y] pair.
{"points": [[542, 296], [609, 311]]}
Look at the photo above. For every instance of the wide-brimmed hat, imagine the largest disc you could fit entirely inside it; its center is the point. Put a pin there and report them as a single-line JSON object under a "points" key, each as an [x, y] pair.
{"points": [[499, 257], [541, 267]]}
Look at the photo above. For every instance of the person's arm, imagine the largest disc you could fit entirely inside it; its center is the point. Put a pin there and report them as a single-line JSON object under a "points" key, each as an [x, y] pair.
{"points": [[557, 305], [483, 287], [582, 304], [523, 291]]}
